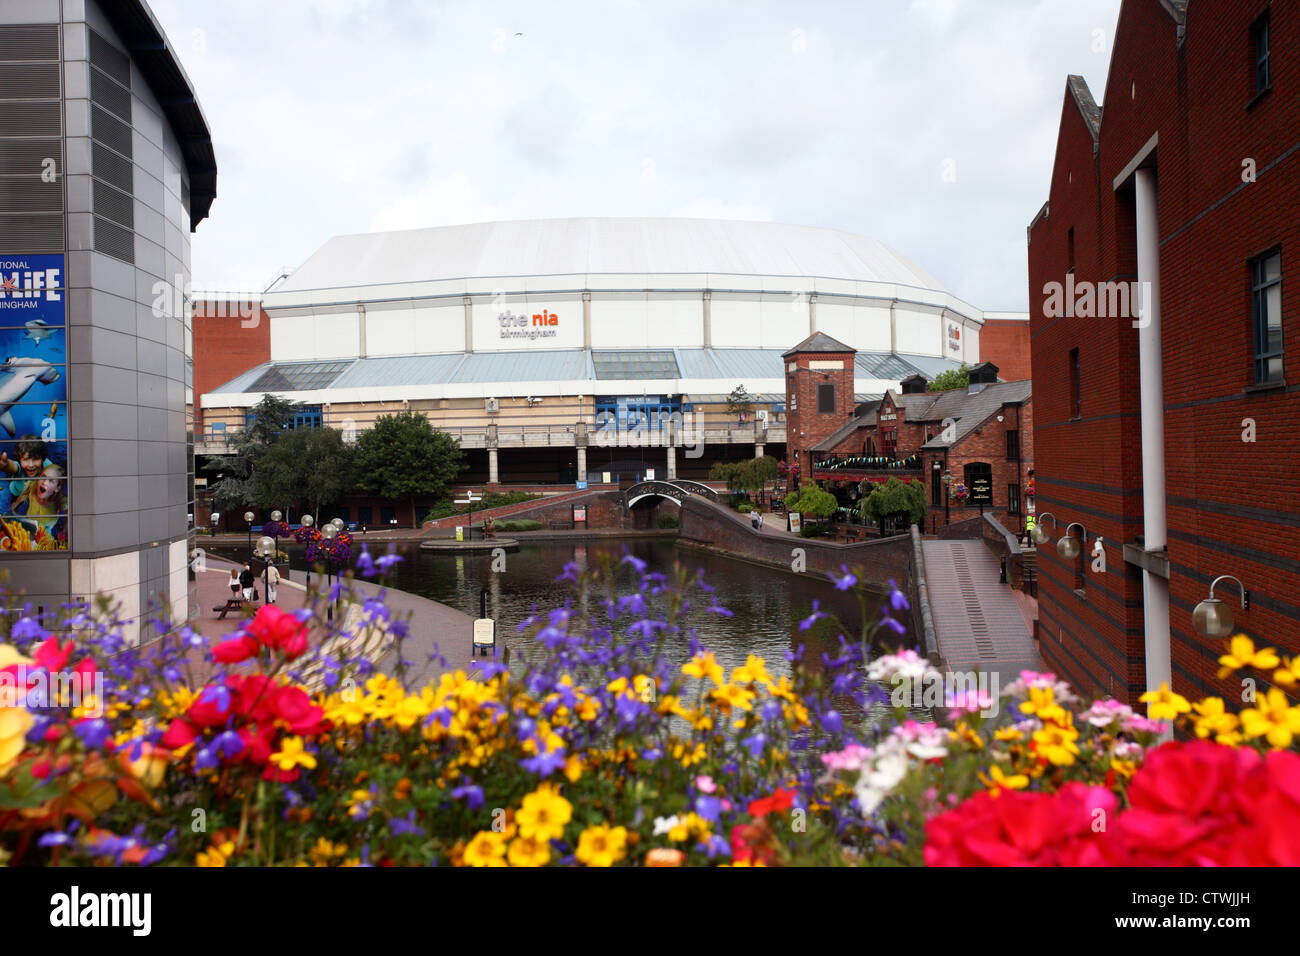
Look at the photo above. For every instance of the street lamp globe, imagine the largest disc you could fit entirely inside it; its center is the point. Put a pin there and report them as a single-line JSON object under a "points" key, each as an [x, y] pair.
{"points": [[265, 546], [1213, 618], [330, 531], [338, 523], [308, 521], [1068, 547], [214, 518], [1039, 534], [249, 516], [276, 516]]}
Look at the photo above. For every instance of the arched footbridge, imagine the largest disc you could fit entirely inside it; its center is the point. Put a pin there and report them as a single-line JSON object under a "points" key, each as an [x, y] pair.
{"points": [[678, 490]]}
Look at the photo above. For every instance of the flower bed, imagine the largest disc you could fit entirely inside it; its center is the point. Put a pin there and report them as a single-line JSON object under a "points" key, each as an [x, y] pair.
{"points": [[597, 746]]}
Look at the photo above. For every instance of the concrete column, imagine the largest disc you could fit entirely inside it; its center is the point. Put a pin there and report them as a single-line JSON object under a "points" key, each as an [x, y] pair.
{"points": [[708, 321], [943, 333], [469, 323], [582, 463], [586, 319], [893, 327], [493, 475], [1155, 589], [758, 450], [672, 462], [812, 313], [361, 330]]}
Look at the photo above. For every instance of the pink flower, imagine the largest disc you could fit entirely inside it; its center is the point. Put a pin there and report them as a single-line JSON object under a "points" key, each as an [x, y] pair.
{"points": [[850, 758], [968, 702], [705, 784]]}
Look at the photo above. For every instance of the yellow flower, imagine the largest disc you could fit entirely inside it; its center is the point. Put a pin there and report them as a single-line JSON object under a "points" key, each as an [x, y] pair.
{"points": [[754, 671], [1042, 704], [14, 724], [1056, 742], [1125, 768], [1272, 718], [544, 814], [573, 768], [291, 754], [325, 852], [588, 708], [525, 852], [746, 863], [601, 845], [1008, 733], [216, 855], [996, 782], [1289, 674], [1165, 704], [488, 848], [1242, 653], [703, 665], [689, 826], [9, 656], [665, 856], [733, 695], [1212, 717]]}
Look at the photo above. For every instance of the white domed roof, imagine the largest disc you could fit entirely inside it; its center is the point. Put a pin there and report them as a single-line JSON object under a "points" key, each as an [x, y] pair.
{"points": [[595, 246]]}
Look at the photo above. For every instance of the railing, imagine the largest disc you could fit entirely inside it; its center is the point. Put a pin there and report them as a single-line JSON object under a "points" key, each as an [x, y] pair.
{"points": [[867, 463]]}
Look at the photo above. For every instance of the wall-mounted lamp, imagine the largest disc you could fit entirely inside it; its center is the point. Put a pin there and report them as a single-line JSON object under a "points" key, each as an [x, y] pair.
{"points": [[1039, 534], [1068, 546], [1212, 617], [1000, 418]]}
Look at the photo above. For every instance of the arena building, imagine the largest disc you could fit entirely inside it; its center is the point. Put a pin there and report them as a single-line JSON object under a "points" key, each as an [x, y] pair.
{"points": [[566, 350]]}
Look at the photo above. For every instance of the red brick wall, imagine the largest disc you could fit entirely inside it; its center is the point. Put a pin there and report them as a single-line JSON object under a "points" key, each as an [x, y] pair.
{"points": [[990, 445], [1228, 512], [806, 426], [1005, 343], [226, 345]]}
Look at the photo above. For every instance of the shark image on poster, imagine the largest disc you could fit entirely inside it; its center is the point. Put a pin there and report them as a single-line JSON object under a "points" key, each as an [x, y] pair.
{"points": [[38, 330], [36, 340], [17, 377]]}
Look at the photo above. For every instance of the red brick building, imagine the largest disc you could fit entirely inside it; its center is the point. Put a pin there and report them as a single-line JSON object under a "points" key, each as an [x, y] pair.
{"points": [[1004, 341], [977, 439], [1162, 344], [231, 336]]}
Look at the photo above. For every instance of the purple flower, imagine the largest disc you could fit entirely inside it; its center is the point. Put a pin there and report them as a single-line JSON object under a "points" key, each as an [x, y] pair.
{"points": [[832, 721], [716, 845], [365, 563], [889, 622], [710, 808], [228, 744], [54, 839], [635, 562], [388, 560], [770, 711], [205, 759], [812, 619], [472, 794], [93, 733], [897, 598], [545, 763], [406, 826], [844, 582], [755, 744]]}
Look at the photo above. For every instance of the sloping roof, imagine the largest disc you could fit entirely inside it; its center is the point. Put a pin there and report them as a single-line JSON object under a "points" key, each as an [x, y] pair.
{"points": [[544, 247], [818, 342], [865, 420], [970, 411], [1088, 107]]}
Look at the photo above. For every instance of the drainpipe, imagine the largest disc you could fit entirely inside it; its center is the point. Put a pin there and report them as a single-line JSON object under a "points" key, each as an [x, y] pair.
{"points": [[1155, 589]]}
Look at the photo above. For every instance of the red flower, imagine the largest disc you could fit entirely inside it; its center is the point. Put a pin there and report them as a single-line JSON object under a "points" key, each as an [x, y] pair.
{"points": [[211, 708], [273, 627], [294, 707], [51, 655], [752, 842], [234, 650], [778, 802], [178, 734]]}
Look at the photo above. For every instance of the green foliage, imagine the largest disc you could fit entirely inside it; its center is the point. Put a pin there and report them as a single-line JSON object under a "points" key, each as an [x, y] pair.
{"points": [[519, 524], [403, 456], [813, 502], [669, 519], [894, 497], [951, 379], [814, 530], [447, 507], [745, 507], [739, 400], [306, 468], [747, 475], [268, 422]]}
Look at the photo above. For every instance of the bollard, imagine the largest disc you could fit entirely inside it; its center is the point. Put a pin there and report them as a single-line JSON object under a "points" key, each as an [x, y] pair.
{"points": [[1003, 578]]}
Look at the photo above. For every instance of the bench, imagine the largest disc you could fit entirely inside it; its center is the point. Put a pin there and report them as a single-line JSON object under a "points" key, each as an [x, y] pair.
{"points": [[561, 525], [232, 604]]}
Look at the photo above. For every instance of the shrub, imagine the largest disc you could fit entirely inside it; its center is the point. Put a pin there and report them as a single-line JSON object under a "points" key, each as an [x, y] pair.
{"points": [[518, 524], [744, 507], [669, 519], [447, 507], [814, 530]]}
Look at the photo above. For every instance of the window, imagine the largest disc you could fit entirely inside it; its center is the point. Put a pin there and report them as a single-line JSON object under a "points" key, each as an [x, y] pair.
{"points": [[1013, 444], [1259, 39], [366, 515], [888, 442], [826, 399], [1013, 499], [1266, 293], [1069, 240], [936, 486], [308, 416], [1076, 397]]}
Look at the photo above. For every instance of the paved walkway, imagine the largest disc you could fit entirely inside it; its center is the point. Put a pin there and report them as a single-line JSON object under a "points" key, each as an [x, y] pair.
{"points": [[977, 618]]}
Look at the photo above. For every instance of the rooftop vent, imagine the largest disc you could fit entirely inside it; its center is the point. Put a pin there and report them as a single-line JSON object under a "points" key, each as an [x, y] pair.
{"points": [[914, 384], [982, 376]]}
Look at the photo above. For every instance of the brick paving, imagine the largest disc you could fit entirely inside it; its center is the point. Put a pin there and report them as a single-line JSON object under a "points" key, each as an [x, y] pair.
{"points": [[978, 620]]}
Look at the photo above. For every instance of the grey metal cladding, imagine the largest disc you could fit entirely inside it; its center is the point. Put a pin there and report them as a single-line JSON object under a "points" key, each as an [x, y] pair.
{"points": [[29, 81], [110, 59], [109, 130], [35, 233], [35, 118], [114, 204], [110, 95], [114, 240], [26, 157], [30, 194], [31, 42]]}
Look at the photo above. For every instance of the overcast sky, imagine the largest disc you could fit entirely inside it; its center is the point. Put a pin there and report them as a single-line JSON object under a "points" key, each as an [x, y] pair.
{"points": [[927, 124]]}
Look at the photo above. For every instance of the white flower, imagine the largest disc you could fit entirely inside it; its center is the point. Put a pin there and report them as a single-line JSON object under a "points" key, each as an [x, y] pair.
{"points": [[664, 824]]}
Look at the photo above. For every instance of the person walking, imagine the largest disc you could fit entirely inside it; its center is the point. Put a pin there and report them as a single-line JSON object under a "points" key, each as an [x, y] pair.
{"points": [[760, 520], [272, 579], [234, 582], [246, 581]]}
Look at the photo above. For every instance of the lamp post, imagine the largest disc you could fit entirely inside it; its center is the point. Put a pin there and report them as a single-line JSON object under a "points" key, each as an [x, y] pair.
{"points": [[266, 548], [1039, 534], [947, 496], [469, 499], [215, 517], [248, 517], [307, 522], [329, 532]]}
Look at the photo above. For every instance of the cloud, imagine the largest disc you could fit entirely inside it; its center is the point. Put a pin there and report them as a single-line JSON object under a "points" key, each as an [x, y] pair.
{"points": [[451, 201]]}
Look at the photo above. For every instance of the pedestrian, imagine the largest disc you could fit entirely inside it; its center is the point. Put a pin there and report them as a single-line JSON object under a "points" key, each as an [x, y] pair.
{"points": [[753, 520], [246, 581], [760, 520], [234, 582], [272, 579]]}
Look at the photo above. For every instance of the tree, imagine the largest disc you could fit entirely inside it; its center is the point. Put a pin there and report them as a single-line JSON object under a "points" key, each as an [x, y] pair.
{"points": [[951, 379], [267, 423], [813, 502], [748, 475], [739, 401], [894, 497], [305, 468], [403, 456]]}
